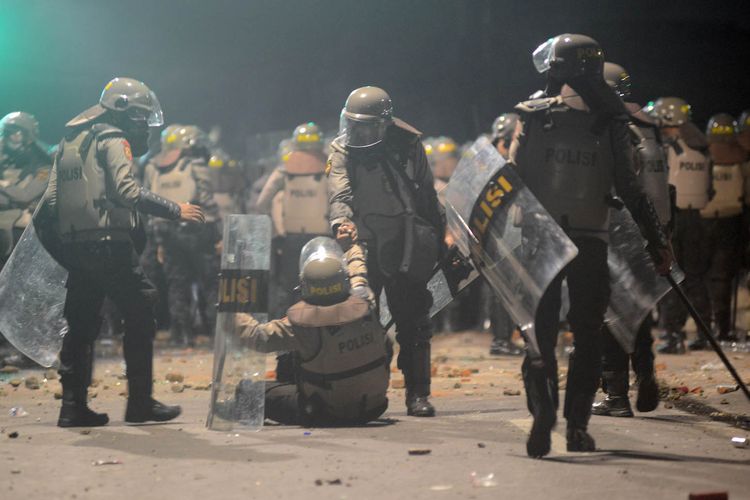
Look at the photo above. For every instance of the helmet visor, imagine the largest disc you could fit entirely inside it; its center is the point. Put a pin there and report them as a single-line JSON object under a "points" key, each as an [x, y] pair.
{"points": [[362, 133], [542, 56], [148, 111], [319, 249]]}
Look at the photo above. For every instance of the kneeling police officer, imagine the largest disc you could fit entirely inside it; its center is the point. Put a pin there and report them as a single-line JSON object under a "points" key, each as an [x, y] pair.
{"points": [[340, 361]]}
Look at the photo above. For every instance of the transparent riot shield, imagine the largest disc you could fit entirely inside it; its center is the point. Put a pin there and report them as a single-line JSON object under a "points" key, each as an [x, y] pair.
{"points": [[635, 286], [512, 240], [238, 387], [32, 298]]}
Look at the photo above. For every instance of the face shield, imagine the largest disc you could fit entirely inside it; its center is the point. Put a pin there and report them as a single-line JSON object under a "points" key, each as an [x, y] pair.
{"points": [[320, 249], [14, 138], [543, 54], [362, 132], [148, 111]]}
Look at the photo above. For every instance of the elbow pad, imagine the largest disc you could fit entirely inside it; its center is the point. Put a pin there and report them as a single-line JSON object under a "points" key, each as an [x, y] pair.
{"points": [[152, 204]]}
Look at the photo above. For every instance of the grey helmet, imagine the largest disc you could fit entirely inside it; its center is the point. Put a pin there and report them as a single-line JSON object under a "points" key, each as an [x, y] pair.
{"points": [[503, 127], [324, 279], [569, 56], [130, 97], [672, 111], [618, 78], [308, 137], [744, 130], [722, 127], [170, 138], [366, 115], [18, 130]]}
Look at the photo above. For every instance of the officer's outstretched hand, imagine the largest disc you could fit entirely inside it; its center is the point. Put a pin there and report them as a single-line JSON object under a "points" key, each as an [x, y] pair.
{"points": [[191, 213], [346, 235]]}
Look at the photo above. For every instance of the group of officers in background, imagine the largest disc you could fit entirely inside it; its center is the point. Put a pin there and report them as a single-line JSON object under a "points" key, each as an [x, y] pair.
{"points": [[366, 186]]}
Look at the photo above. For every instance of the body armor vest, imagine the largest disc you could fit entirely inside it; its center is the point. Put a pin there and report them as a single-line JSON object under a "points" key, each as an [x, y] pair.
{"points": [[653, 172], [570, 170], [349, 374], [728, 185], [305, 204], [689, 174], [176, 183], [83, 206]]}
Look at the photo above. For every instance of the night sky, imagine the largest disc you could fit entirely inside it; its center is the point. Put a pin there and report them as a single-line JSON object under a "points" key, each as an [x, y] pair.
{"points": [[450, 66]]}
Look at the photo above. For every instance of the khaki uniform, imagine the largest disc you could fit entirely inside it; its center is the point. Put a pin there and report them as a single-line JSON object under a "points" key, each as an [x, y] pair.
{"points": [[341, 364]]}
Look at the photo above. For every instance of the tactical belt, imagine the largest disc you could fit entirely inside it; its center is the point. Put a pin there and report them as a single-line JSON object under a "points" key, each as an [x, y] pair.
{"points": [[324, 380]]}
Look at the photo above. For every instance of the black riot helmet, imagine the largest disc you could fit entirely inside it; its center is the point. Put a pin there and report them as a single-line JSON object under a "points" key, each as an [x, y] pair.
{"points": [[617, 78], [722, 127], [569, 56], [366, 115]]}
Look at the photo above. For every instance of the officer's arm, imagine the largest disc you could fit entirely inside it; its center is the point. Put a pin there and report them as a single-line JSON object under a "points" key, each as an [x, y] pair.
{"points": [[31, 190], [517, 150], [127, 192], [434, 211], [274, 184], [205, 191], [339, 191], [629, 188], [276, 335]]}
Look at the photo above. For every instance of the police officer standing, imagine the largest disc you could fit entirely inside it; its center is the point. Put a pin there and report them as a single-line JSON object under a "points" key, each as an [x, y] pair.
{"points": [[651, 164], [24, 170], [501, 136], [690, 174], [381, 188], [302, 183], [340, 362], [722, 221], [185, 248], [573, 150], [89, 220]]}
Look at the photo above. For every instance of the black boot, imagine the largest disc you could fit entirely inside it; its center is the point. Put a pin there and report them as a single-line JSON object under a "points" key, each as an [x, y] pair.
{"points": [[699, 344], [142, 407], [501, 347], [675, 344], [648, 393], [616, 403], [415, 361], [578, 412], [542, 401], [76, 413]]}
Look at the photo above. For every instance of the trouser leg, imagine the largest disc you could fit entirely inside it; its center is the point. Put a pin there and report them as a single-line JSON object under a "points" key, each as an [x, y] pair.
{"points": [[282, 403], [179, 281]]}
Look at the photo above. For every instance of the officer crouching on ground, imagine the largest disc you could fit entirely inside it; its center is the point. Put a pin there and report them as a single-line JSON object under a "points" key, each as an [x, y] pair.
{"points": [[338, 345], [88, 220]]}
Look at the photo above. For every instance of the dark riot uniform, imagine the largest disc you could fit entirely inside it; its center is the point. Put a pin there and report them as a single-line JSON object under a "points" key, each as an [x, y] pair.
{"points": [[340, 362], [375, 188], [571, 161], [92, 200], [188, 247], [651, 163]]}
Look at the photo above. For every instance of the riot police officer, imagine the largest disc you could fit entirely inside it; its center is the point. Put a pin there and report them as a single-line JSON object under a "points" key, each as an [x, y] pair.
{"points": [[651, 164], [501, 135], [24, 170], [690, 174], [381, 187], [340, 365], [89, 220], [722, 220], [573, 150], [180, 173], [302, 180]]}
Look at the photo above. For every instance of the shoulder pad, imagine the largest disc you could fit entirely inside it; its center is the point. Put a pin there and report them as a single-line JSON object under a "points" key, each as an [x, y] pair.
{"points": [[106, 131], [338, 145], [308, 315], [406, 127], [535, 105]]}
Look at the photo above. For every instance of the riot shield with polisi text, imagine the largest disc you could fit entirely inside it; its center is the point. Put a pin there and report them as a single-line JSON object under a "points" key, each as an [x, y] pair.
{"points": [[238, 386], [32, 299], [511, 239]]}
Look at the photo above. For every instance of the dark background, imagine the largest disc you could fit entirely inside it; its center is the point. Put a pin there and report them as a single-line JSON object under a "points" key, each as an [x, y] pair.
{"points": [[450, 66]]}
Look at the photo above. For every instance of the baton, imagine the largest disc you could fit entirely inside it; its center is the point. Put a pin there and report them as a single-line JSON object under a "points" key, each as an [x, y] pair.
{"points": [[703, 328]]}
